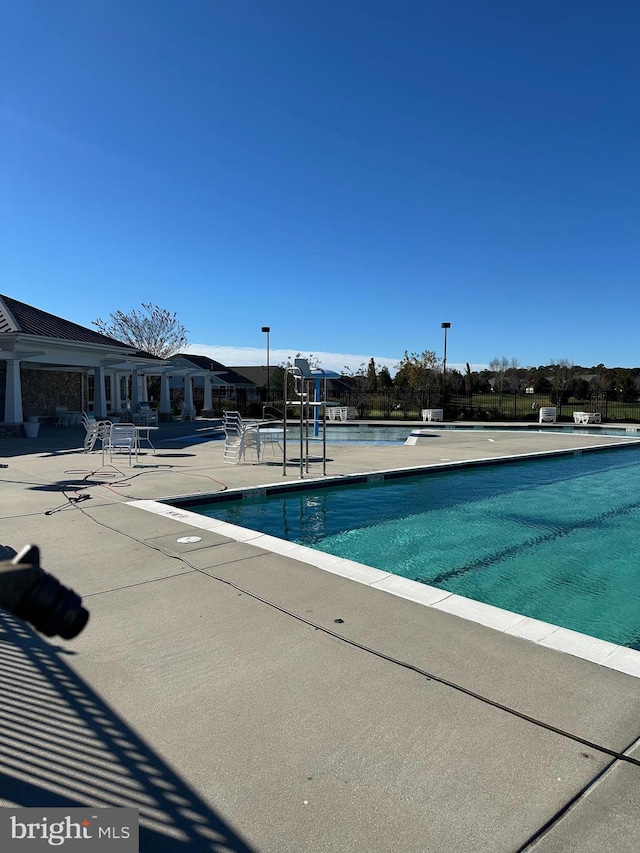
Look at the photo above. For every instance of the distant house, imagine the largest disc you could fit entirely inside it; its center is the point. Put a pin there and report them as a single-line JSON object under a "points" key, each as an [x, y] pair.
{"points": [[223, 383], [46, 361], [336, 386], [256, 374]]}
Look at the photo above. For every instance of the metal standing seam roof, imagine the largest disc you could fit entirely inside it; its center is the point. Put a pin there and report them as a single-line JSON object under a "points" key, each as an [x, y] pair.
{"points": [[17, 316]]}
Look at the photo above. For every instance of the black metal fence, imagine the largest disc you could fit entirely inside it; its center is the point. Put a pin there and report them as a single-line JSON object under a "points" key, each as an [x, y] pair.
{"points": [[394, 405], [488, 406]]}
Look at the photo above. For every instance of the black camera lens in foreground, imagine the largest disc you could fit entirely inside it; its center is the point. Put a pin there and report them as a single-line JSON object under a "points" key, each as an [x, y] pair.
{"points": [[52, 608], [39, 598]]}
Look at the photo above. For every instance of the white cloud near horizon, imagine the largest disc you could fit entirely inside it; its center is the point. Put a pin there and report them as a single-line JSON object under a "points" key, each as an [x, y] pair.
{"points": [[254, 356]]}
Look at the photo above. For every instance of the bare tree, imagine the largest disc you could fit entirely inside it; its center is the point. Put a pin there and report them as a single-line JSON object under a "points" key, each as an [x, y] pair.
{"points": [[561, 375], [153, 330], [502, 369]]}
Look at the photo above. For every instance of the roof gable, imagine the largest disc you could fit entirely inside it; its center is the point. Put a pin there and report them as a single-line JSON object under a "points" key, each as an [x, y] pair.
{"points": [[227, 374], [17, 316]]}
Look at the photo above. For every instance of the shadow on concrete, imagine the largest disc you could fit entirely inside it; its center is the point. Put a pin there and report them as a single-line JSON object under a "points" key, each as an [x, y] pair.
{"points": [[59, 441], [62, 486], [62, 745]]}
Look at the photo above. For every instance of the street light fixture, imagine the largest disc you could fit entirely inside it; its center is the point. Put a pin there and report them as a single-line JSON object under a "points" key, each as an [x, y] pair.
{"points": [[444, 326], [267, 330]]}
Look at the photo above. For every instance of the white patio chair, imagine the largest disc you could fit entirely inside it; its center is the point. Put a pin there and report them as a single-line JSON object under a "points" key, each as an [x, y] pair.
{"points": [[251, 441], [91, 426], [233, 446], [97, 431], [232, 421], [122, 438], [87, 420], [432, 414], [240, 436], [150, 415], [62, 416], [547, 415], [187, 413], [90, 437]]}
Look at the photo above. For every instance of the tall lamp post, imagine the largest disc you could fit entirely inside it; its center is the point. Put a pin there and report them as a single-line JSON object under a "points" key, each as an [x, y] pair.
{"points": [[267, 330], [444, 326]]}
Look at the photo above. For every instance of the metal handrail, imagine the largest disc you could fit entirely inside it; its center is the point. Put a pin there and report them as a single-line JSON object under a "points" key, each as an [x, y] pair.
{"points": [[277, 417]]}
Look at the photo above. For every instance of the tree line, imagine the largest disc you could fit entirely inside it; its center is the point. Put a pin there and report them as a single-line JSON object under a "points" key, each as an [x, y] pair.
{"points": [[422, 373], [418, 376]]}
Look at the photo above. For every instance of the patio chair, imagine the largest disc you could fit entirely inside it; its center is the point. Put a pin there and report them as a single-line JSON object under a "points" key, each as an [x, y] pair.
{"points": [[97, 431], [143, 414], [187, 413], [547, 415], [150, 414], [90, 437], [122, 438], [87, 420], [62, 416], [233, 446], [90, 424], [232, 420], [251, 441], [239, 436], [587, 417], [432, 414]]}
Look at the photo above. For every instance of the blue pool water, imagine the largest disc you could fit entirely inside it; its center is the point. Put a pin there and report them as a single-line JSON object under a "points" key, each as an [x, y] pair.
{"points": [[374, 434], [377, 434], [555, 539]]}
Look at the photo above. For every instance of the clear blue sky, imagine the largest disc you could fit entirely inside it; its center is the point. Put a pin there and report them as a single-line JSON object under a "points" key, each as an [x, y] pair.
{"points": [[348, 172]]}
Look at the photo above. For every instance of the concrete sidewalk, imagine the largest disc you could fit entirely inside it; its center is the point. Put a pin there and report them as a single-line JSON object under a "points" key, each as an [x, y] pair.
{"points": [[245, 700]]}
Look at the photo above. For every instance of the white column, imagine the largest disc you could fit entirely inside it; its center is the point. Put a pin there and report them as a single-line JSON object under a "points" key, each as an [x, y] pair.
{"points": [[13, 399], [116, 392], [135, 390], [144, 389], [165, 395], [208, 403], [99, 394], [188, 392]]}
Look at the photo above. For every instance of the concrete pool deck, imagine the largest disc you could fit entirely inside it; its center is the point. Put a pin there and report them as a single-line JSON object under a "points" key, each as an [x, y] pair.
{"points": [[246, 700]]}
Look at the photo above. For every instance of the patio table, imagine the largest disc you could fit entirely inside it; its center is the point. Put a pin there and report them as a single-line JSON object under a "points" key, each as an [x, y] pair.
{"points": [[141, 429], [269, 435]]}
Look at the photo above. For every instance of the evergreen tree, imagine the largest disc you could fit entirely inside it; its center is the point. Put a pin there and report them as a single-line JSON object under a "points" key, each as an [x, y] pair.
{"points": [[372, 378]]}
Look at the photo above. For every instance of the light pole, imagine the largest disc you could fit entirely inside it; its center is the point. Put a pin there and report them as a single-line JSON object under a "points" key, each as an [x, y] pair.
{"points": [[266, 330], [444, 326]]}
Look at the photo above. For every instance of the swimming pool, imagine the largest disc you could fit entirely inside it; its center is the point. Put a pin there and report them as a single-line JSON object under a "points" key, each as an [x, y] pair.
{"points": [[381, 435], [554, 538]]}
